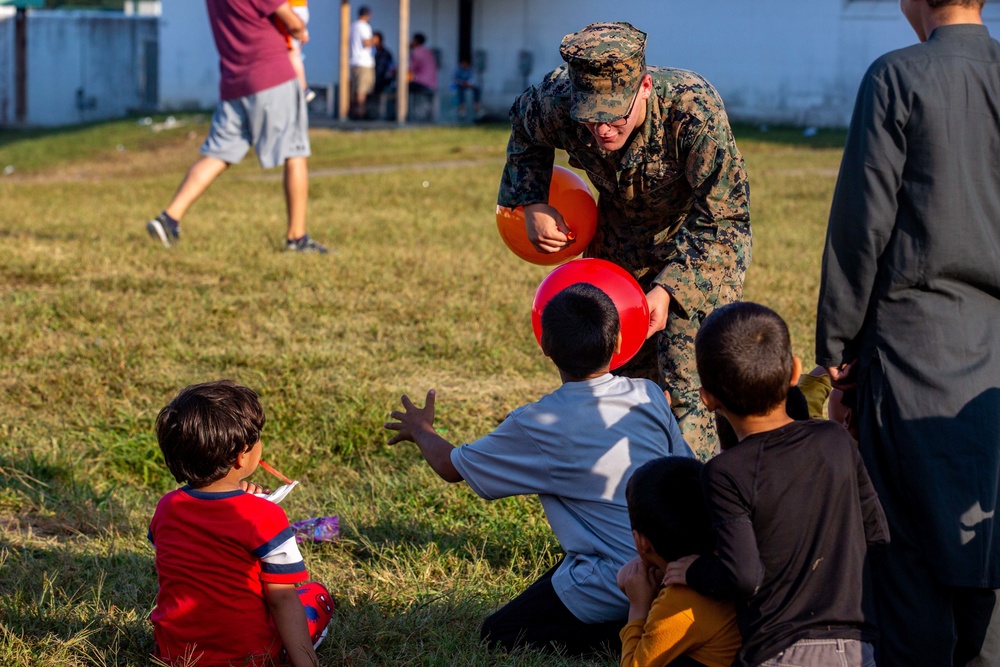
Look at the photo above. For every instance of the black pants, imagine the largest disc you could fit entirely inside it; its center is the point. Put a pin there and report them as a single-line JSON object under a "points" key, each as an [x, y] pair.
{"points": [[538, 618], [922, 622]]}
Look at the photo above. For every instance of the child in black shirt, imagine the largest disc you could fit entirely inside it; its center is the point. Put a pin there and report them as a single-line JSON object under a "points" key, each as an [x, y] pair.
{"points": [[792, 506]]}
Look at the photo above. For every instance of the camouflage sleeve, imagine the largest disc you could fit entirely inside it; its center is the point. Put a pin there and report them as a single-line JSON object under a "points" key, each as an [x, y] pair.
{"points": [[713, 243], [530, 153]]}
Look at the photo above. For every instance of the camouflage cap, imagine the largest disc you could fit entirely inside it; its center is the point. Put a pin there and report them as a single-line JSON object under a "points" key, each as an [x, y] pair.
{"points": [[607, 62]]}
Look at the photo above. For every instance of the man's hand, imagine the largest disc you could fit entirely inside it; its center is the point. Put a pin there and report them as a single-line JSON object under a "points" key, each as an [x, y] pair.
{"points": [[296, 28], [413, 420], [677, 571], [547, 230], [640, 584], [658, 299], [843, 377]]}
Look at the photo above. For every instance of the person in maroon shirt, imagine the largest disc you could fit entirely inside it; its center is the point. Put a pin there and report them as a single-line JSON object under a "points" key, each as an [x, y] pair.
{"points": [[261, 106]]}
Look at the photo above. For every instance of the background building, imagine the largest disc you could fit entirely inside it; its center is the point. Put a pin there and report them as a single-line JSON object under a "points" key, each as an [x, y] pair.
{"points": [[779, 61], [784, 61]]}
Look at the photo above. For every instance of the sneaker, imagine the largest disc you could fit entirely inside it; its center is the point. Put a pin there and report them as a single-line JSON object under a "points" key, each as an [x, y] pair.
{"points": [[304, 244], [164, 229], [310, 95]]}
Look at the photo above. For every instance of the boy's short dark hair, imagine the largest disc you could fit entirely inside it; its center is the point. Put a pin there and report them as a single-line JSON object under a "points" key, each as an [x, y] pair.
{"points": [[937, 4], [580, 329], [666, 503], [364, 10], [744, 357], [205, 427]]}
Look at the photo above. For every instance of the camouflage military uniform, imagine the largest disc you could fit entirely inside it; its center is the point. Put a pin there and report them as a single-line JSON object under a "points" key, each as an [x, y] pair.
{"points": [[673, 210]]}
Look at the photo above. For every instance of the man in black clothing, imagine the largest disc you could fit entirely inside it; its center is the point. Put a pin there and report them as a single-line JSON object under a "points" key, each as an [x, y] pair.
{"points": [[385, 65], [909, 308], [792, 506]]}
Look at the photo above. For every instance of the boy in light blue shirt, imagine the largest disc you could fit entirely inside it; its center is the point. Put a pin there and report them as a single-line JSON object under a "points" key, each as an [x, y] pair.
{"points": [[575, 449]]}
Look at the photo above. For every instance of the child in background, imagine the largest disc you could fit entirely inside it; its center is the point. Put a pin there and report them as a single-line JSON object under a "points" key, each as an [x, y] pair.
{"points": [[793, 509], [574, 448], [669, 518], [463, 84], [226, 560], [301, 9]]}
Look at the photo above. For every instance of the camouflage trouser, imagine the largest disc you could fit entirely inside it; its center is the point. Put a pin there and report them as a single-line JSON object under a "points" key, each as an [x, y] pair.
{"points": [[668, 359]]}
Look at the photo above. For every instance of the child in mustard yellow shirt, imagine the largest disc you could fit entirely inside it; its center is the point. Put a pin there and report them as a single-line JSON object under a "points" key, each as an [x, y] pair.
{"points": [[672, 625]]}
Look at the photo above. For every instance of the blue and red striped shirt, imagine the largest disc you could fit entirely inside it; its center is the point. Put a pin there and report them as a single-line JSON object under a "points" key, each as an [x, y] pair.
{"points": [[214, 553]]}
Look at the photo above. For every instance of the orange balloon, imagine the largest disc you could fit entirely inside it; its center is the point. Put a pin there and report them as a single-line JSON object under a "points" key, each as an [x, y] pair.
{"points": [[568, 194]]}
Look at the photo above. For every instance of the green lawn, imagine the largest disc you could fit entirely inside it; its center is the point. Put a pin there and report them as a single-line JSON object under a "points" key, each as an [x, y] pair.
{"points": [[99, 327]]}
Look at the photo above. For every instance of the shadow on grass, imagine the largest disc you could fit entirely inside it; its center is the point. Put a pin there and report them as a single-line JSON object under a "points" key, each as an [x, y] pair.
{"points": [[74, 602], [378, 540], [48, 498], [439, 630]]}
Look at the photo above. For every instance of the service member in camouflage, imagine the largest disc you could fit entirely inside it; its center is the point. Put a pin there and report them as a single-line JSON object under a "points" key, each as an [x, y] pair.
{"points": [[673, 200]]}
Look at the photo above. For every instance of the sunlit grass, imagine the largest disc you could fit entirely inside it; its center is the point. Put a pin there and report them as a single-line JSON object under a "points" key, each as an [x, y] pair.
{"points": [[99, 327]]}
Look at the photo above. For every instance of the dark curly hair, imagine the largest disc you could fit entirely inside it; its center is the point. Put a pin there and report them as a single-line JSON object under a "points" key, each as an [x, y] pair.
{"points": [[204, 429]]}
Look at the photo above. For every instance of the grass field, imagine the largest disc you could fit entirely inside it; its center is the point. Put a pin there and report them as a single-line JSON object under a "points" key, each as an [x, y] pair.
{"points": [[99, 327]]}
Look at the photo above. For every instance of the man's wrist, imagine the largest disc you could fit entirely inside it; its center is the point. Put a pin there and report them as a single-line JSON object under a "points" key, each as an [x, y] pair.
{"points": [[664, 288]]}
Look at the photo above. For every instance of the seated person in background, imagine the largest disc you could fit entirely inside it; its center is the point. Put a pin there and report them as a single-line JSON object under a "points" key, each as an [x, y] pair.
{"points": [[575, 449], [463, 84], [385, 65], [423, 67], [792, 506], [671, 625], [226, 560]]}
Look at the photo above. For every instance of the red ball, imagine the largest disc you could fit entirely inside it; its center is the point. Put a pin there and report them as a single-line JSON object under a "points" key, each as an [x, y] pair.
{"points": [[568, 194], [613, 280]]}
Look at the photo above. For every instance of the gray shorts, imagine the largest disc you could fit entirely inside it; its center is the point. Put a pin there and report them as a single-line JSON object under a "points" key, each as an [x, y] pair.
{"points": [[274, 121]]}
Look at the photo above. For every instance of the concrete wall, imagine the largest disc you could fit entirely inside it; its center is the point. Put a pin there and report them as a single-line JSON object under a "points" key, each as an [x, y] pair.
{"points": [[773, 61], [7, 100], [81, 66], [189, 64], [777, 61]]}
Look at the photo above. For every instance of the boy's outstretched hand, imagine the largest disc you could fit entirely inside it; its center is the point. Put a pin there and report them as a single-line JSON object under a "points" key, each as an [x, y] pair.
{"points": [[414, 420], [417, 425]]}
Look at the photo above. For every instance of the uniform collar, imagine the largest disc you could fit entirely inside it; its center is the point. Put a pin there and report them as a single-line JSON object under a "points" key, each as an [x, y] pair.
{"points": [[959, 31]]}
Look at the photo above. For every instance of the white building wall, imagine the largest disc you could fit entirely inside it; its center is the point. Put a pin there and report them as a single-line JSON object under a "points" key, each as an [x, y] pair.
{"points": [[772, 61], [7, 89], [189, 64], [81, 66]]}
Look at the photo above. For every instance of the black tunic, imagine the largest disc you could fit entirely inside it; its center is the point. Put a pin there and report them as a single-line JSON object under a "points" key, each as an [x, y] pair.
{"points": [[911, 289]]}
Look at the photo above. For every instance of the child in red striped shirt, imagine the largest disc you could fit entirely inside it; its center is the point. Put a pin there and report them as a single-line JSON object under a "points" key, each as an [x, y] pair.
{"points": [[227, 561]]}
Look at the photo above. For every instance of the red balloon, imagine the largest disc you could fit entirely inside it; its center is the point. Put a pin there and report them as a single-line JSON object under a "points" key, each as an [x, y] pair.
{"points": [[568, 194], [613, 280]]}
